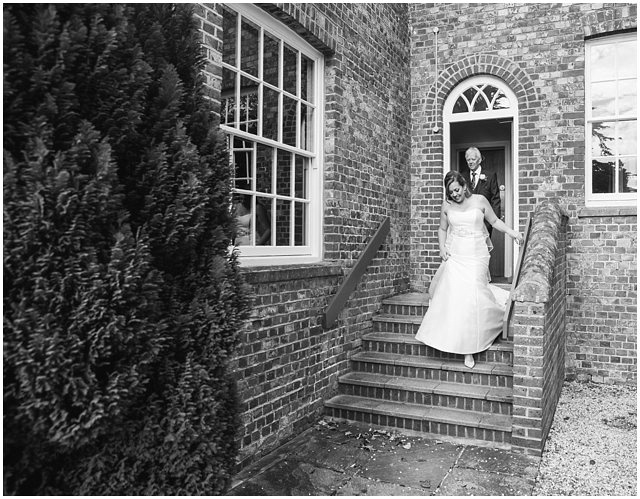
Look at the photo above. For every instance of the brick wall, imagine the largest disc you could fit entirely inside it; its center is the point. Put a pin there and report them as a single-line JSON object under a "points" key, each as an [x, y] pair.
{"points": [[602, 296], [538, 329], [538, 51], [287, 364], [209, 18]]}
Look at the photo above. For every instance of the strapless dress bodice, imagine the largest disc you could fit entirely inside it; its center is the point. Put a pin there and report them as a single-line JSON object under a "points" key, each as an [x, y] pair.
{"points": [[468, 223]]}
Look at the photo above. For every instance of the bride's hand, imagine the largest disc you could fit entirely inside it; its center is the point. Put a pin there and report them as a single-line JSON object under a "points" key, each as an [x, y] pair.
{"points": [[444, 254], [519, 239]]}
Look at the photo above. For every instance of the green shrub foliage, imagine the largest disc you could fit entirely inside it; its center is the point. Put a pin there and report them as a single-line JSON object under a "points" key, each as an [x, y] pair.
{"points": [[121, 301]]}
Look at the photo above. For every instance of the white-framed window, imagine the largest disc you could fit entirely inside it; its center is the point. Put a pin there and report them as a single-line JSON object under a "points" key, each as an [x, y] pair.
{"points": [[611, 169], [271, 111]]}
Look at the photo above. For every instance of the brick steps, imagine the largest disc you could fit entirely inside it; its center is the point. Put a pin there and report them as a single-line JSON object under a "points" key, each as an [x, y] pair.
{"points": [[407, 344], [479, 398], [425, 419], [413, 366], [397, 381]]}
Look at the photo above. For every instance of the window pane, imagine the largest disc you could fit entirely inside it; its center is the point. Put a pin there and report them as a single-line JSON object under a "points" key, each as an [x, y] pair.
{"points": [[263, 222], [248, 105], [290, 74], [461, 106], [480, 104], [271, 59], [242, 156], [603, 99], [306, 79], [264, 168], [628, 172], [603, 139], [249, 47], [242, 206], [627, 59], [246, 219], [229, 36], [627, 98], [470, 93], [290, 120], [283, 222], [270, 116], [306, 133], [501, 102], [627, 138], [603, 177], [489, 92], [602, 62], [301, 175], [228, 101], [283, 180], [300, 224]]}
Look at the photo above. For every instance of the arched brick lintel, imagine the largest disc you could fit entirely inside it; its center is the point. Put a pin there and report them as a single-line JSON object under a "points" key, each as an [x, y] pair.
{"points": [[484, 64]]}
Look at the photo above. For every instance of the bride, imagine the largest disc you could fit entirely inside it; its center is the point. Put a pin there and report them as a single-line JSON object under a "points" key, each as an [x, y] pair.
{"points": [[465, 312]]}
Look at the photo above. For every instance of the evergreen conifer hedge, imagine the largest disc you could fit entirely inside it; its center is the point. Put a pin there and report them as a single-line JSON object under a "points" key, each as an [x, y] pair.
{"points": [[121, 302]]}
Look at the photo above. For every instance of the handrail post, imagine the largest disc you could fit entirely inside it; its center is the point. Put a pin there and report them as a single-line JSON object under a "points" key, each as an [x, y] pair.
{"points": [[340, 298], [516, 279]]}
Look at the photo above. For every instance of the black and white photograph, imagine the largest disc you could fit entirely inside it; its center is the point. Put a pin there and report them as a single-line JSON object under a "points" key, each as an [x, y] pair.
{"points": [[320, 249]]}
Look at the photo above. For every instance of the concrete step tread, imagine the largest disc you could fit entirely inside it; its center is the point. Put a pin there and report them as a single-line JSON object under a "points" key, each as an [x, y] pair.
{"points": [[426, 362], [401, 318], [480, 392], [488, 421], [500, 345], [412, 299]]}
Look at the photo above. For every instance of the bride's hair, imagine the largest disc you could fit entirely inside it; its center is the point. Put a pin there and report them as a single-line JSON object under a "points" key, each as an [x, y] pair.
{"points": [[454, 176]]}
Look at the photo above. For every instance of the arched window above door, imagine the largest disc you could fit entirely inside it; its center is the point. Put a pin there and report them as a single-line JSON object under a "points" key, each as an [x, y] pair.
{"points": [[480, 97]]}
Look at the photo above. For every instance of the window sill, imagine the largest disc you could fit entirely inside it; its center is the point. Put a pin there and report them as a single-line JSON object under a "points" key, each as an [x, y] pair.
{"points": [[303, 271], [608, 211]]}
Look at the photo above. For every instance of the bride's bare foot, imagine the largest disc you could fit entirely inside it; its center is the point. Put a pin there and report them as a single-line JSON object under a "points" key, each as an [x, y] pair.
{"points": [[469, 361]]}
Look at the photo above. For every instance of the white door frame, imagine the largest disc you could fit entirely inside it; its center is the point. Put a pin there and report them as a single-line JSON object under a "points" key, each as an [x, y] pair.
{"points": [[512, 216]]}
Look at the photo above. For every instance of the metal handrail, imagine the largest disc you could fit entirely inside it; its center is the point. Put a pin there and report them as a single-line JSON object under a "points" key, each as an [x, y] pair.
{"points": [[340, 298], [516, 278]]}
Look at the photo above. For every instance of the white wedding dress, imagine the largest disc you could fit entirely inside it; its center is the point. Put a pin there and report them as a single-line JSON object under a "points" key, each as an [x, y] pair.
{"points": [[465, 312]]}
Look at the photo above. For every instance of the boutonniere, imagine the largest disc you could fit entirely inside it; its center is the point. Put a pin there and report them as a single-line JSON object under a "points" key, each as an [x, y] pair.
{"points": [[482, 177]]}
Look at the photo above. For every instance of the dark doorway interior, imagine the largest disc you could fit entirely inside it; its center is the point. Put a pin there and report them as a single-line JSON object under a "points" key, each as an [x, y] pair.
{"points": [[492, 138]]}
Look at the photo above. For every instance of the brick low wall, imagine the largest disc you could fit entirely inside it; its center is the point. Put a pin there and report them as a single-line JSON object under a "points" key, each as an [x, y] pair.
{"points": [[538, 327], [287, 364]]}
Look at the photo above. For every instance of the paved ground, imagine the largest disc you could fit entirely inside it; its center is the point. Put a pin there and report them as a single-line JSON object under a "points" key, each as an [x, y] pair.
{"points": [[348, 460]]}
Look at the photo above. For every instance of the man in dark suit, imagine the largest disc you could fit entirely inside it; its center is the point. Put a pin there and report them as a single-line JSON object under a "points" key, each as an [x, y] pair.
{"points": [[485, 184]]}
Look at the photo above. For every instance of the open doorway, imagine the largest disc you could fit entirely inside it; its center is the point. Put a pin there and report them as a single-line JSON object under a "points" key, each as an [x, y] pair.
{"points": [[482, 111], [496, 158]]}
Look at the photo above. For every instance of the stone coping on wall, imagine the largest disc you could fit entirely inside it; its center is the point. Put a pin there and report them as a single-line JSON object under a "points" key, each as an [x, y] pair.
{"points": [[302, 271], [537, 268], [608, 211]]}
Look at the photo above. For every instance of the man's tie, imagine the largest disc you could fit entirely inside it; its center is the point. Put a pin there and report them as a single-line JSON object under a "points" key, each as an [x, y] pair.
{"points": [[473, 180]]}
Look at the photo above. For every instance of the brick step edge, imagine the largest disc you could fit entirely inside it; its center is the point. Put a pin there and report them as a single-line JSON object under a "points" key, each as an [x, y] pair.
{"points": [[430, 363], [499, 346], [418, 413], [479, 392]]}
